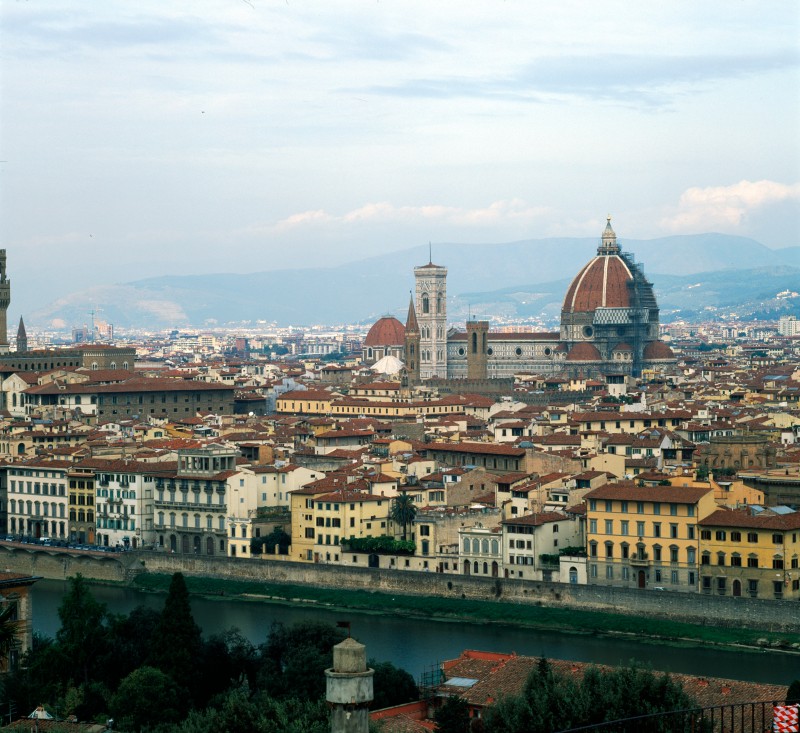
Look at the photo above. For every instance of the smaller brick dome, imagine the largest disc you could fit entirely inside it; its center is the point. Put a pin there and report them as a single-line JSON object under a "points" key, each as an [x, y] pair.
{"points": [[386, 331], [657, 350], [584, 352]]}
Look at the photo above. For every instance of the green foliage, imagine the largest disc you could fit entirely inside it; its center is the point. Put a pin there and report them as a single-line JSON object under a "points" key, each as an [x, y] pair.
{"points": [[793, 693], [294, 659], [452, 716], [145, 698], [392, 685], [553, 701], [382, 545], [267, 544], [83, 636], [176, 642], [403, 511]]}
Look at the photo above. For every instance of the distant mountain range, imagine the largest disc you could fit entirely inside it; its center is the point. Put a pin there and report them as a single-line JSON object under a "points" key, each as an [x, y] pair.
{"points": [[691, 274]]}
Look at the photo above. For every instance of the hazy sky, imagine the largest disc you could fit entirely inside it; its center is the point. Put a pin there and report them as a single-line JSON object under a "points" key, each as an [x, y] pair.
{"points": [[146, 137]]}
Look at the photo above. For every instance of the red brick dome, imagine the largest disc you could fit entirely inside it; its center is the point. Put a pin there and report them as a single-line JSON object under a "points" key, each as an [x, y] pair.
{"points": [[386, 331], [623, 346], [657, 350], [584, 352], [601, 283]]}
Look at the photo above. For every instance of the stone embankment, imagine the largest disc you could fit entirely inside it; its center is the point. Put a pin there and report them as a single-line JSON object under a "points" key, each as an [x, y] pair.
{"points": [[706, 610]]}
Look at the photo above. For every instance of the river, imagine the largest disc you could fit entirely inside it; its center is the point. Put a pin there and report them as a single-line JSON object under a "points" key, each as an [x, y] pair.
{"points": [[417, 645]]}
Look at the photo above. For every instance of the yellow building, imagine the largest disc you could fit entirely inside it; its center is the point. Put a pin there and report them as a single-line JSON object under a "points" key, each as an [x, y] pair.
{"points": [[742, 554], [80, 494], [323, 518], [304, 402], [639, 536]]}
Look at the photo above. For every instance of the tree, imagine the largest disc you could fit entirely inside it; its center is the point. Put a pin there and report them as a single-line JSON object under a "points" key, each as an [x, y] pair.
{"points": [[293, 660], [83, 636], [403, 511], [452, 716], [177, 643], [267, 544], [392, 685], [146, 697], [552, 701], [8, 634], [793, 693]]}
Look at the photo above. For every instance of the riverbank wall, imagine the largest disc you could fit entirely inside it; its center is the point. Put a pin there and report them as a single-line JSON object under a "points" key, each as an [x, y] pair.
{"points": [[705, 610]]}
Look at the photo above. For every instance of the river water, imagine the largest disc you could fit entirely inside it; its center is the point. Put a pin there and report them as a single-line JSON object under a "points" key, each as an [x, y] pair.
{"points": [[417, 645]]}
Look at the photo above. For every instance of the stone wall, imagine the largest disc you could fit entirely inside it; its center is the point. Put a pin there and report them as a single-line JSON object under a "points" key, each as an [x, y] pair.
{"points": [[768, 615]]}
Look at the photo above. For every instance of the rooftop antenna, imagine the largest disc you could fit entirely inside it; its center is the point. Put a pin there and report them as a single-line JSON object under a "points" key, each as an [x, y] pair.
{"points": [[430, 253]]}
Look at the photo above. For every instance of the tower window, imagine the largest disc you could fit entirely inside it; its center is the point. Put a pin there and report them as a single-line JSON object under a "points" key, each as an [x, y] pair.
{"points": [[426, 306]]}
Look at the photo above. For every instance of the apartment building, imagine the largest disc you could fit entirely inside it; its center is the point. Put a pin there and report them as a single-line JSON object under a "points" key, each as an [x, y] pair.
{"points": [[639, 536], [747, 554], [37, 501]]}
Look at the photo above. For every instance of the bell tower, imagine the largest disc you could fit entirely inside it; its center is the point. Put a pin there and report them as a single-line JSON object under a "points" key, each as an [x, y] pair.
{"points": [[431, 308], [5, 301]]}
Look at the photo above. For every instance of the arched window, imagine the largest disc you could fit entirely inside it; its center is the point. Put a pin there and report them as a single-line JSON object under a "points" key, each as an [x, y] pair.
{"points": [[475, 567], [494, 547], [466, 545], [439, 308], [426, 306], [476, 548], [474, 343], [485, 547]]}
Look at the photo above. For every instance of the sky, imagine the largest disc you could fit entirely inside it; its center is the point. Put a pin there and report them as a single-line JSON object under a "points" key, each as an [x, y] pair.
{"points": [[160, 137]]}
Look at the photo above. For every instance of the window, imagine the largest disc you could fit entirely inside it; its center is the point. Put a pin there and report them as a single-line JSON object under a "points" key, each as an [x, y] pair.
{"points": [[673, 531], [623, 527], [691, 555], [656, 553], [705, 534], [593, 549], [656, 508], [640, 507], [752, 588], [721, 586], [777, 539], [690, 532], [752, 537], [777, 563], [656, 529], [609, 526], [720, 558], [624, 507], [673, 510], [736, 560], [640, 529], [752, 561], [609, 505], [705, 558], [720, 535], [609, 550], [609, 572], [593, 526], [673, 554], [736, 536]]}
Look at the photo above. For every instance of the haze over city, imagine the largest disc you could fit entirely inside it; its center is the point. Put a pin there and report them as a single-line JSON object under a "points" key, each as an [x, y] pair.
{"points": [[158, 138]]}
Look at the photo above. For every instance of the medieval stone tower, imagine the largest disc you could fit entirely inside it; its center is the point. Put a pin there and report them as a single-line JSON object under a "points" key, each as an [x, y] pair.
{"points": [[477, 345], [431, 308], [5, 301], [349, 688], [412, 346]]}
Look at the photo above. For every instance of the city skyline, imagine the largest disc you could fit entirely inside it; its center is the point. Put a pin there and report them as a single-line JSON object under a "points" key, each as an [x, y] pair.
{"points": [[248, 136]]}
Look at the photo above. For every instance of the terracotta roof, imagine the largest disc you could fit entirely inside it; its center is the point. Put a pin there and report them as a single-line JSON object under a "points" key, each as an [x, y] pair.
{"points": [[658, 350], [601, 283], [386, 331], [632, 492], [536, 520], [584, 352], [746, 520]]}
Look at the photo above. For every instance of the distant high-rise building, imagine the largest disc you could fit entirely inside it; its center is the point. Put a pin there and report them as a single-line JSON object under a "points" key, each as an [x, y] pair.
{"points": [[789, 326]]}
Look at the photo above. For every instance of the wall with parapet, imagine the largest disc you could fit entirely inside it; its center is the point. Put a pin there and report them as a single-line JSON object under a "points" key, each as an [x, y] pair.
{"points": [[711, 610]]}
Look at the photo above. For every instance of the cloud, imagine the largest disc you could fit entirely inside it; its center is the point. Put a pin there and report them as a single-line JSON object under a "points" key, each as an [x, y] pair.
{"points": [[726, 207], [499, 212], [626, 78]]}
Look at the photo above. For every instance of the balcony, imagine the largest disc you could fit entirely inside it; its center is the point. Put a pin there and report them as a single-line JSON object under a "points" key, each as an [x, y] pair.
{"points": [[639, 559]]}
